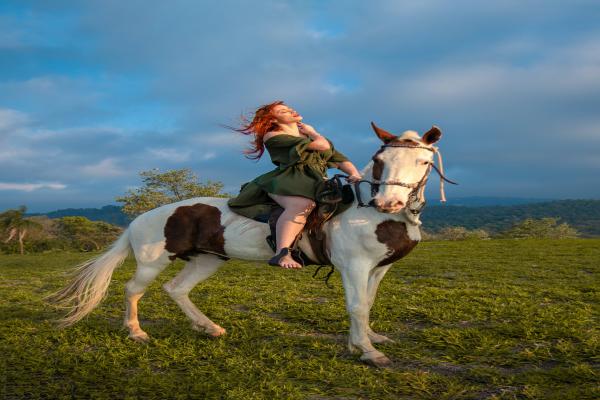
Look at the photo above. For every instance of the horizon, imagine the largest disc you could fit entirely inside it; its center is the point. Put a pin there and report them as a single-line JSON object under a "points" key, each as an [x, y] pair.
{"points": [[469, 201], [87, 102]]}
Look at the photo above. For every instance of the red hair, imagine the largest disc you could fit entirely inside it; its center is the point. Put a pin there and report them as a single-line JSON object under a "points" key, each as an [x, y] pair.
{"points": [[261, 123]]}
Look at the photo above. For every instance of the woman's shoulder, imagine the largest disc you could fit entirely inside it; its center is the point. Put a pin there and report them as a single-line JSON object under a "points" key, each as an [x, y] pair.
{"points": [[269, 135], [277, 136]]}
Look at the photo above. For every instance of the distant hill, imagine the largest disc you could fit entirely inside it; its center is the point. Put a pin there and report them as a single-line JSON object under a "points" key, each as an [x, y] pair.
{"points": [[111, 214], [478, 201], [584, 215]]}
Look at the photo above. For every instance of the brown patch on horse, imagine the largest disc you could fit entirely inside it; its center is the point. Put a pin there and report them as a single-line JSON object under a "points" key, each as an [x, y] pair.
{"points": [[395, 236], [193, 230], [377, 165]]}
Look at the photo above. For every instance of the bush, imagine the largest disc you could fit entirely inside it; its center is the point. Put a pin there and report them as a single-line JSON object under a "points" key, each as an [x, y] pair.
{"points": [[85, 235], [545, 228], [456, 233], [67, 233]]}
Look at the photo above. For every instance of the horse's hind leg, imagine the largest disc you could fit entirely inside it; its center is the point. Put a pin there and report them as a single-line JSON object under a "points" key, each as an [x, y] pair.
{"points": [[134, 290], [195, 271]]}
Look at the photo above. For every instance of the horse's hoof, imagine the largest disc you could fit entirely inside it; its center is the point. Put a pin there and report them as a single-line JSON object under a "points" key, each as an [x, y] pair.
{"points": [[213, 332], [140, 337], [379, 339], [218, 332], [379, 362]]}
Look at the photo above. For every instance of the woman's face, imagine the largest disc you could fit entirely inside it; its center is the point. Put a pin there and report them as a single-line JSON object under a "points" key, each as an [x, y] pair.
{"points": [[285, 115]]}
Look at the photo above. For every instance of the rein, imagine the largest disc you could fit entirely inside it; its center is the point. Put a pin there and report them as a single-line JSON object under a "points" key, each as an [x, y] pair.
{"points": [[416, 195]]}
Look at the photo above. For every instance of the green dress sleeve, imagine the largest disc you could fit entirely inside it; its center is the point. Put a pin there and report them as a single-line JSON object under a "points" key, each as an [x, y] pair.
{"points": [[287, 150], [336, 157]]}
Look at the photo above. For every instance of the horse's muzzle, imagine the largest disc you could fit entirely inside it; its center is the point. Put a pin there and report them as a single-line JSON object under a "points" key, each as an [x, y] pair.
{"points": [[389, 207]]}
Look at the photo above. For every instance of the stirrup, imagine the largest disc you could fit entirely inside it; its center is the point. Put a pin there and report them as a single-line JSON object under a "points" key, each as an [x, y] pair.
{"points": [[274, 261]]}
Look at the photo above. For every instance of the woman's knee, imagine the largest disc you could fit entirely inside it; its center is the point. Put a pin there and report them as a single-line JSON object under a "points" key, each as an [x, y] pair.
{"points": [[295, 204], [302, 205]]}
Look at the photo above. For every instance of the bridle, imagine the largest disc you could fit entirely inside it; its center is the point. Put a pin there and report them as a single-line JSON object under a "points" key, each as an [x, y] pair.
{"points": [[416, 196]]}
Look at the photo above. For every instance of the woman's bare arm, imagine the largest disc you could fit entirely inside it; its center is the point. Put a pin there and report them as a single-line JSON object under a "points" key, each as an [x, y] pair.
{"points": [[319, 142], [350, 169]]}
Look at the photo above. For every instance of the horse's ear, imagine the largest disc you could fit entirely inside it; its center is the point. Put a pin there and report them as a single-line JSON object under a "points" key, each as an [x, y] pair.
{"points": [[384, 135], [432, 135]]}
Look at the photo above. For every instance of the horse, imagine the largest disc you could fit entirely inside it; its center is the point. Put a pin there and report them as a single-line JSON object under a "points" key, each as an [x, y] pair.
{"points": [[362, 243]]}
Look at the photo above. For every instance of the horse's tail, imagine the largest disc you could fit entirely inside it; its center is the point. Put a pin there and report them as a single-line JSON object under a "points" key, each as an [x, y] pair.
{"points": [[90, 283]]}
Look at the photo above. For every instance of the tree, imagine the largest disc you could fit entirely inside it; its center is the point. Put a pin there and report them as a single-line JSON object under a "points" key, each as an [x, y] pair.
{"points": [[13, 223], [167, 187], [545, 228], [87, 235]]}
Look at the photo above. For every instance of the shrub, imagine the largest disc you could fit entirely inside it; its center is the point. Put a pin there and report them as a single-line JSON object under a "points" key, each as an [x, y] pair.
{"points": [[456, 233], [545, 228]]}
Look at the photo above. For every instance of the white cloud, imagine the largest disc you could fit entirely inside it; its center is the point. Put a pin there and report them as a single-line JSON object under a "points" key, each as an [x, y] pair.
{"points": [[29, 187], [105, 168], [12, 119], [20, 155], [208, 156], [170, 154]]}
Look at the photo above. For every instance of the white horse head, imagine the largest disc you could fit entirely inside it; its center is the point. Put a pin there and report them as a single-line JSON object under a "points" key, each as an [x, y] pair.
{"points": [[401, 167]]}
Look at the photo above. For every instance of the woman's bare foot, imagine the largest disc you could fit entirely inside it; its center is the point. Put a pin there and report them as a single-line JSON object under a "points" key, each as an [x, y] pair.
{"points": [[284, 259], [288, 262]]}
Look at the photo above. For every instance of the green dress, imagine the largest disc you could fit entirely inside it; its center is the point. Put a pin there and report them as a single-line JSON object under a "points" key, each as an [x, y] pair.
{"points": [[299, 172]]}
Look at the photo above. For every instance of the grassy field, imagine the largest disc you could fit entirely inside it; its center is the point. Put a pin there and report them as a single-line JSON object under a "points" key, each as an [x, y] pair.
{"points": [[496, 319]]}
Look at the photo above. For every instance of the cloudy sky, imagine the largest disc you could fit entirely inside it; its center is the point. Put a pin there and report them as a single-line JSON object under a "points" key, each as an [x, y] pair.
{"points": [[92, 93]]}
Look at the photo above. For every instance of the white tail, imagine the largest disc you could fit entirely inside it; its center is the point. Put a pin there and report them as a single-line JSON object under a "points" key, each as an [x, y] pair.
{"points": [[90, 283]]}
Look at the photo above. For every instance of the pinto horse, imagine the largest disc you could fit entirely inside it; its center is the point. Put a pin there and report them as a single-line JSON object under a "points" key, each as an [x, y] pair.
{"points": [[362, 243]]}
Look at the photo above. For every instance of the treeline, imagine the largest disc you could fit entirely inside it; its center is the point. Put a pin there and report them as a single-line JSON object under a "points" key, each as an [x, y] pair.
{"points": [[583, 215], [544, 228], [36, 234], [111, 214]]}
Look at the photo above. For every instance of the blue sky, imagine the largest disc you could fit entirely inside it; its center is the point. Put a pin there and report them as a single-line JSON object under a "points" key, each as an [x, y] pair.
{"points": [[92, 93]]}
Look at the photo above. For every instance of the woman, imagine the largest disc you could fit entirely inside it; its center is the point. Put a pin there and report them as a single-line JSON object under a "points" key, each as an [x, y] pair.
{"points": [[302, 157]]}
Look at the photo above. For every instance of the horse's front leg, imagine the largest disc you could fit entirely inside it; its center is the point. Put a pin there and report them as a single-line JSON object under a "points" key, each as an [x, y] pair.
{"points": [[356, 278], [375, 277]]}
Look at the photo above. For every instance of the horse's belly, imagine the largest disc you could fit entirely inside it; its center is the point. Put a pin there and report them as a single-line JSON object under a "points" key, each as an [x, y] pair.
{"points": [[246, 239]]}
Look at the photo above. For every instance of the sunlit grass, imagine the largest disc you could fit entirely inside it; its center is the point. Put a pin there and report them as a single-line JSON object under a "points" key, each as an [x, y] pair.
{"points": [[498, 319]]}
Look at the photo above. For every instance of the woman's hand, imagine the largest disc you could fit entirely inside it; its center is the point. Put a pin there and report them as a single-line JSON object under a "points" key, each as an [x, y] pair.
{"points": [[350, 169], [354, 178], [307, 130]]}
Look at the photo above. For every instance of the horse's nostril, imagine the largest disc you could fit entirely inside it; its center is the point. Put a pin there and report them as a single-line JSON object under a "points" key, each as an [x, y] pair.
{"points": [[394, 204]]}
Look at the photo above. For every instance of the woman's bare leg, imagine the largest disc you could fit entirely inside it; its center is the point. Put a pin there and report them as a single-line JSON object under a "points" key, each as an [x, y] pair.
{"points": [[290, 223]]}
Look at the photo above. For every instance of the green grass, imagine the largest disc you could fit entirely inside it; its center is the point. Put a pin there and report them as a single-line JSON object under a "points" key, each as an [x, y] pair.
{"points": [[497, 319]]}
